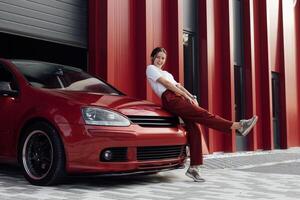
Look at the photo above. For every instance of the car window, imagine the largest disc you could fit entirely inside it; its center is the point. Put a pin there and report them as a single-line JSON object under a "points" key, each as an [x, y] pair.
{"points": [[7, 80], [54, 76]]}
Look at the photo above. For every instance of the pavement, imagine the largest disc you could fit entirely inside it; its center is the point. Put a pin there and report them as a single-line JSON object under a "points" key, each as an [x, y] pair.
{"points": [[247, 175]]}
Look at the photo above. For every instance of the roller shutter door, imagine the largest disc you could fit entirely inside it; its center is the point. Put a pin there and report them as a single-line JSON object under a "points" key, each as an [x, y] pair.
{"points": [[61, 21]]}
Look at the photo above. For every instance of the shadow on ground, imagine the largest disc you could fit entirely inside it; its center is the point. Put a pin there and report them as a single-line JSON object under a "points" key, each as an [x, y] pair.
{"points": [[11, 174]]}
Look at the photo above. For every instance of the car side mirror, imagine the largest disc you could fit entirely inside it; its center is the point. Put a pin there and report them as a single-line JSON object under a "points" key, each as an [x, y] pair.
{"points": [[5, 89]]}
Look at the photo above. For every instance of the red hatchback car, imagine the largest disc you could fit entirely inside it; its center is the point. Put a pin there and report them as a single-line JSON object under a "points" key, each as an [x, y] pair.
{"points": [[58, 120]]}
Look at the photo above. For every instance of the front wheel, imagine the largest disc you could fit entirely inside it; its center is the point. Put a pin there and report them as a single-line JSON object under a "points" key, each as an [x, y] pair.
{"points": [[42, 155]]}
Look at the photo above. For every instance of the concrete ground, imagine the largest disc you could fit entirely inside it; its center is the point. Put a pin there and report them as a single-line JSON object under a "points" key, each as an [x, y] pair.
{"points": [[249, 175]]}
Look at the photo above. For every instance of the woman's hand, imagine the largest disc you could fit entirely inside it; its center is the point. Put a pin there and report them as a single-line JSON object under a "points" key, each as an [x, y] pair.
{"points": [[195, 102], [191, 100]]}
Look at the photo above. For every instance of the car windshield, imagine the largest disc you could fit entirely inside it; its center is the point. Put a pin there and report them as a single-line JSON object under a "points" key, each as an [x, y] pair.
{"points": [[54, 76]]}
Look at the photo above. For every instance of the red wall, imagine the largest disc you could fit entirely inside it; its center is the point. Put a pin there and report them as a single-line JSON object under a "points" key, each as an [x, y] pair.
{"points": [[291, 72], [297, 31], [219, 71], [122, 34]]}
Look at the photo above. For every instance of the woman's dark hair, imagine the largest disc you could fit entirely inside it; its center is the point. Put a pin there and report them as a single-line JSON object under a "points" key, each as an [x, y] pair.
{"points": [[156, 51]]}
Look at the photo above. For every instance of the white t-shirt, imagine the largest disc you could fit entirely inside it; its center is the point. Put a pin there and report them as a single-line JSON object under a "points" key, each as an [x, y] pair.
{"points": [[153, 73]]}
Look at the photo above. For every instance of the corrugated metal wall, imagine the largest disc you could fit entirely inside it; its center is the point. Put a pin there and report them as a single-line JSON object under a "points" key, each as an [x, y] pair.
{"points": [[61, 21], [270, 31]]}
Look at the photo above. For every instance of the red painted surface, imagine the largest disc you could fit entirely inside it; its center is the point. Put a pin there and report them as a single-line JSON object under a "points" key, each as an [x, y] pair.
{"points": [[276, 57], [127, 31], [256, 73], [203, 70], [219, 76], [210, 63], [123, 33], [291, 72], [297, 27], [249, 69], [265, 98], [97, 38], [280, 63], [274, 35], [61, 108]]}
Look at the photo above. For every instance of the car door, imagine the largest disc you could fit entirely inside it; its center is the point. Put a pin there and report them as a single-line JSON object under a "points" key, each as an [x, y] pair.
{"points": [[8, 109]]}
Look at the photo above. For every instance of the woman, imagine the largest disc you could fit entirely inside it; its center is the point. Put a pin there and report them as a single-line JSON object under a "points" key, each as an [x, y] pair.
{"points": [[178, 101]]}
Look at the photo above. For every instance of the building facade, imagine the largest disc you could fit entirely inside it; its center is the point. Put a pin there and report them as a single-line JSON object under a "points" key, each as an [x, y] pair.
{"points": [[240, 57]]}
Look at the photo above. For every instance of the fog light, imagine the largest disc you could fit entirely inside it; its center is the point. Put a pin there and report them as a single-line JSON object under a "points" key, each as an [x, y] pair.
{"points": [[107, 155]]}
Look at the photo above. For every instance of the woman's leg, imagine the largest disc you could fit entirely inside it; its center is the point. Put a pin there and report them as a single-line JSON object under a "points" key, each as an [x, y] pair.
{"points": [[187, 111], [196, 158], [195, 143]]}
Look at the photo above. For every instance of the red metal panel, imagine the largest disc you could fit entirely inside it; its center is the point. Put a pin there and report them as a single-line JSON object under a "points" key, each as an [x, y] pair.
{"points": [[232, 143], [227, 67], [156, 24], [265, 97], [203, 70], [280, 61], [121, 46], [112, 45], [122, 35], [276, 59], [142, 52], [291, 72], [175, 40], [220, 85], [274, 37], [164, 28], [97, 38], [297, 26], [249, 71], [256, 75], [261, 76], [210, 63]]}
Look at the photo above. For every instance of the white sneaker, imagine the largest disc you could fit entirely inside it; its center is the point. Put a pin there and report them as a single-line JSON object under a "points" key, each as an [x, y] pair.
{"points": [[247, 125], [193, 172]]}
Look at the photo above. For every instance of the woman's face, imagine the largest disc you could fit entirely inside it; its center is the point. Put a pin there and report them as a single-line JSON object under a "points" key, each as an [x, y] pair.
{"points": [[160, 59]]}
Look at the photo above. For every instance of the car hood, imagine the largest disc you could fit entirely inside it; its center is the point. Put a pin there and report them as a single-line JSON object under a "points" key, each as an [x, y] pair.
{"points": [[123, 104]]}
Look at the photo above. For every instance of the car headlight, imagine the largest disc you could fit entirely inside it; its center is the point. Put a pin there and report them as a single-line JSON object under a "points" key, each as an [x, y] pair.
{"points": [[98, 116]]}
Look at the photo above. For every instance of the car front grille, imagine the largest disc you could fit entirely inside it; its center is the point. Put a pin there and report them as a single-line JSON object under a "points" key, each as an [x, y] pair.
{"points": [[119, 154], [154, 121], [160, 152]]}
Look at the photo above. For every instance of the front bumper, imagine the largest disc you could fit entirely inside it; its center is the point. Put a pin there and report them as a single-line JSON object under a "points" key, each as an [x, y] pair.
{"points": [[84, 144], [129, 173]]}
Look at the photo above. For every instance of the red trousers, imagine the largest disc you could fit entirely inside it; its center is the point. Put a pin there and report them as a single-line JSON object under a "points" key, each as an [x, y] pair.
{"points": [[193, 115]]}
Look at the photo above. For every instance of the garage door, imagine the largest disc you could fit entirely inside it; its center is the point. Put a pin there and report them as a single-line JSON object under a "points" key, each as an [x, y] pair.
{"points": [[61, 21]]}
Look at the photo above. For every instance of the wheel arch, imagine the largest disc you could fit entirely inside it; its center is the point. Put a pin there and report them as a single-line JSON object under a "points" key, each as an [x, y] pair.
{"points": [[29, 123]]}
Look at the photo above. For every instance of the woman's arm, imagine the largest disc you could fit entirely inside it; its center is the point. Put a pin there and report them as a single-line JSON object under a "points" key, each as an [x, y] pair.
{"points": [[184, 90], [167, 84], [192, 97]]}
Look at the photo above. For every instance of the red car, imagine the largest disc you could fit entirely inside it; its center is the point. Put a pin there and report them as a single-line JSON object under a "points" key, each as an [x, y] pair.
{"points": [[58, 120]]}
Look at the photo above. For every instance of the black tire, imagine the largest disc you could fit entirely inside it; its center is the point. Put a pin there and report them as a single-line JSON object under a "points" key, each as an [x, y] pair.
{"points": [[41, 155]]}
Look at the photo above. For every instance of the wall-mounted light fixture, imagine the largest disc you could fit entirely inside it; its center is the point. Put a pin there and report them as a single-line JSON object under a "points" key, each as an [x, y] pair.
{"points": [[185, 38]]}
